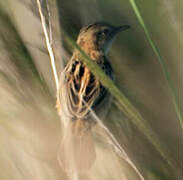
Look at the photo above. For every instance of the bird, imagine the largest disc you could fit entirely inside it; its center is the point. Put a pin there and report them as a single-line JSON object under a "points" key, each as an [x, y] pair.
{"points": [[84, 91]]}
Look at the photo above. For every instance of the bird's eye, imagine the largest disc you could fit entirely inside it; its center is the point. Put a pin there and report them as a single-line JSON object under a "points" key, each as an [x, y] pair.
{"points": [[106, 31], [103, 33], [99, 33]]}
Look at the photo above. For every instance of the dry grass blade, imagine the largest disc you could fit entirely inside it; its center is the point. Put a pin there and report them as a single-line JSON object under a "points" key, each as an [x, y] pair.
{"points": [[48, 44], [48, 38], [117, 147]]}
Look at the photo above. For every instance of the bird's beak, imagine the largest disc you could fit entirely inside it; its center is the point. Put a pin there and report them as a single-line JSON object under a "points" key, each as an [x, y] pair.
{"points": [[120, 28]]}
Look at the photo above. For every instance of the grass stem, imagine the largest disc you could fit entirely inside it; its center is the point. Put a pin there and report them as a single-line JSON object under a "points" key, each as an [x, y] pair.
{"points": [[162, 63]]}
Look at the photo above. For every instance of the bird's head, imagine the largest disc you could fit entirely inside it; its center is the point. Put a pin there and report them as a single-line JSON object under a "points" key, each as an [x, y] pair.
{"points": [[98, 36]]}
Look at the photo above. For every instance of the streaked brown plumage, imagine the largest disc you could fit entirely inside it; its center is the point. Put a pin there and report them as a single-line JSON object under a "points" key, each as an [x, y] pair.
{"points": [[84, 91]]}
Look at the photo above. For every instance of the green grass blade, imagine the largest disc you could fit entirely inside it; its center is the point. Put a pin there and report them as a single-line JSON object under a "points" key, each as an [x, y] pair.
{"points": [[124, 104], [163, 64]]}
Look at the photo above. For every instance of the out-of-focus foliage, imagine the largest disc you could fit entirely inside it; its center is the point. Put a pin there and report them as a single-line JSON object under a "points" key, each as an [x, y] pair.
{"points": [[29, 126]]}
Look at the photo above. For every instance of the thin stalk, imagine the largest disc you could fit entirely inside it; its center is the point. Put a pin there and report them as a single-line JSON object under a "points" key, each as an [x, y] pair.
{"points": [[115, 144], [162, 63], [48, 44]]}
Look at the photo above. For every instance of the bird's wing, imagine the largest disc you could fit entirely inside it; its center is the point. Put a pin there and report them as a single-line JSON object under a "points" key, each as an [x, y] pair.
{"points": [[83, 89]]}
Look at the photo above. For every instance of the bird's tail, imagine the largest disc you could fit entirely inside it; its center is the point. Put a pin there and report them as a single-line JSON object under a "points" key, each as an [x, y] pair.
{"points": [[77, 151]]}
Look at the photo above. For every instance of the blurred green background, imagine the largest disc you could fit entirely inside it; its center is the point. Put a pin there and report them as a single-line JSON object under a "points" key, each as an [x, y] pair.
{"points": [[29, 124]]}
